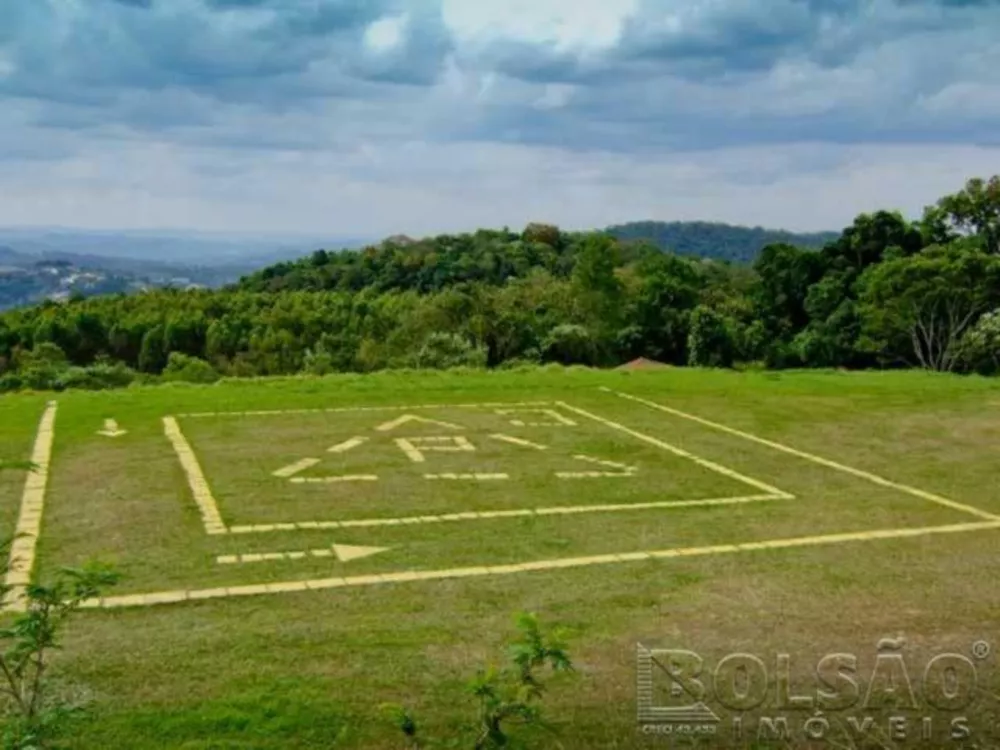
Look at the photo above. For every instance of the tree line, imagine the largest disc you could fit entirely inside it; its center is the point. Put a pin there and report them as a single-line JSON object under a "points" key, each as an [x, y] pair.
{"points": [[885, 292]]}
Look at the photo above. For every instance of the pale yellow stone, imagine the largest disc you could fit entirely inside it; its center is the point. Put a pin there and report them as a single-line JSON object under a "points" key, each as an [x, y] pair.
{"points": [[203, 497], [598, 559], [252, 590], [504, 513], [499, 570], [208, 593], [325, 583], [464, 572], [538, 565], [129, 600], [28, 527], [165, 597], [363, 580], [424, 575], [396, 577], [408, 575], [633, 556], [287, 587]]}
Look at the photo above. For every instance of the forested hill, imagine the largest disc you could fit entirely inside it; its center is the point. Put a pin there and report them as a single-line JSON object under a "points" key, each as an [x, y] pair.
{"points": [[887, 292], [486, 256], [493, 256], [714, 240]]}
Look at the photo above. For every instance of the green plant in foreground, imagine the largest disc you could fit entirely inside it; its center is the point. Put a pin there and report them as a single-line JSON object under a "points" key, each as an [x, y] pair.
{"points": [[508, 696], [31, 712], [16, 465]]}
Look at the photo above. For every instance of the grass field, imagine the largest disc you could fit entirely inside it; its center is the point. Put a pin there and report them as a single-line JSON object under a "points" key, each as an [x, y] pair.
{"points": [[297, 552]]}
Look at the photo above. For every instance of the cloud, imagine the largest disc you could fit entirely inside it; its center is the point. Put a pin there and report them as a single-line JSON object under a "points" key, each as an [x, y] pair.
{"points": [[633, 82]]}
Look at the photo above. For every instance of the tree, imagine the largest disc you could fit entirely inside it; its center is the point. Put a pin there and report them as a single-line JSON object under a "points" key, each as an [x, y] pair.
{"points": [[598, 290], [917, 309], [152, 356], [785, 274], [980, 347], [570, 344], [869, 238], [712, 341], [973, 211], [545, 234]]}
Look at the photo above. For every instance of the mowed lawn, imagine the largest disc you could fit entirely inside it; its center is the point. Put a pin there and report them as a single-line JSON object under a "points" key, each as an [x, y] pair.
{"points": [[419, 512]]}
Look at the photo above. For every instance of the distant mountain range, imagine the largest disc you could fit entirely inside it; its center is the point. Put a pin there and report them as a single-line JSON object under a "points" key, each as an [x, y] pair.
{"points": [[714, 240], [39, 264]]}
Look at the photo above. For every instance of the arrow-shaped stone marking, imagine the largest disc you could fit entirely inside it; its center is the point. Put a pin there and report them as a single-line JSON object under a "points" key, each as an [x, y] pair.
{"points": [[343, 553], [111, 429]]}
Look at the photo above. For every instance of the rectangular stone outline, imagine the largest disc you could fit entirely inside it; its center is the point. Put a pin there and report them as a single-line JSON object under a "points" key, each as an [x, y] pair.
{"points": [[214, 523]]}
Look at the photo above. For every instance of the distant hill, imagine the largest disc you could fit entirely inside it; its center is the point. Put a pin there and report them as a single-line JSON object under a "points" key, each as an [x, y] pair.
{"points": [[28, 278], [168, 247], [40, 264], [714, 240]]}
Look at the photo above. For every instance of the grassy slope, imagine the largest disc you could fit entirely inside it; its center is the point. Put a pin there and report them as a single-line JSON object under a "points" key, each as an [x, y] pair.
{"points": [[309, 670]]}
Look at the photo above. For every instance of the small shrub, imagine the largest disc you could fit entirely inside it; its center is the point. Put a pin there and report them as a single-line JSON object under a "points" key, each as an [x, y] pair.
{"points": [[570, 344], [182, 368], [505, 697], [443, 351], [97, 377], [11, 381], [32, 711], [979, 349]]}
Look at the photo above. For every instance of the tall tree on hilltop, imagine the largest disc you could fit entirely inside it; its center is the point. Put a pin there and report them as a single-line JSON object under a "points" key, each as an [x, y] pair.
{"points": [[974, 210]]}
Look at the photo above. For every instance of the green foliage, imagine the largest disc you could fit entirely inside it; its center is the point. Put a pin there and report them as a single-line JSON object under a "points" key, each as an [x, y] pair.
{"points": [[506, 697], [543, 234], [713, 240], [32, 712], [974, 210], [496, 298], [99, 376], [712, 340], [444, 350], [182, 368], [918, 308], [979, 349], [570, 344]]}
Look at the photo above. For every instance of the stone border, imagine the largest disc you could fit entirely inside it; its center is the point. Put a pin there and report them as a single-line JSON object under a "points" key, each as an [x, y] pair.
{"points": [[283, 587], [873, 478], [29, 521]]}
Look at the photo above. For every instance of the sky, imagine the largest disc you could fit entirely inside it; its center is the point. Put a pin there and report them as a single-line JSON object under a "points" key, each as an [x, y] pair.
{"points": [[376, 117]]}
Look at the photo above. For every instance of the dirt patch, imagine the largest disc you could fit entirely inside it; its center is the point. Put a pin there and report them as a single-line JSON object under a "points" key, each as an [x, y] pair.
{"points": [[643, 364]]}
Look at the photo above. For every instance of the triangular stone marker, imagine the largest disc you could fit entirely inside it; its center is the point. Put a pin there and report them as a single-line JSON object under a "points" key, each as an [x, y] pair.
{"points": [[386, 426], [111, 429], [347, 552]]}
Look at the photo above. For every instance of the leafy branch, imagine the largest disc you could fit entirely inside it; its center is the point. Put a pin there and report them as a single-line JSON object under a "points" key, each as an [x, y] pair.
{"points": [[31, 714], [509, 696]]}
